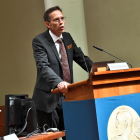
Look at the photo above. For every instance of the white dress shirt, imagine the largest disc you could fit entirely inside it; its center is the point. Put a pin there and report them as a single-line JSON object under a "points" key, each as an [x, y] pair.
{"points": [[55, 38]]}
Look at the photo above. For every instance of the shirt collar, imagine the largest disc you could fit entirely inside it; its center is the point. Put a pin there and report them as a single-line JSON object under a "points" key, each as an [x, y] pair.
{"points": [[54, 37]]}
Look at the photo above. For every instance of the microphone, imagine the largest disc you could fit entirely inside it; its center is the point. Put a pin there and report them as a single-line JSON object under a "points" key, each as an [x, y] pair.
{"points": [[84, 60], [111, 54]]}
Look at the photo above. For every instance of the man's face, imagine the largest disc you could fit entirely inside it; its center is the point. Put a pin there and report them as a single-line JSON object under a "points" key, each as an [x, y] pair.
{"points": [[120, 125], [57, 23]]}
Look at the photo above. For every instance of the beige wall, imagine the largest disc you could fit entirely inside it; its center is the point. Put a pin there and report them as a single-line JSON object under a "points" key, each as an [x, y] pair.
{"points": [[20, 22], [113, 25]]}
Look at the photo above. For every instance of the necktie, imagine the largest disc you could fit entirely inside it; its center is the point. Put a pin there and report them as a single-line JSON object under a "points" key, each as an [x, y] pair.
{"points": [[64, 60]]}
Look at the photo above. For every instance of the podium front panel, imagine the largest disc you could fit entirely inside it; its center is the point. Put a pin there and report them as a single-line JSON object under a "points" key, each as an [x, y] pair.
{"points": [[80, 120], [107, 118]]}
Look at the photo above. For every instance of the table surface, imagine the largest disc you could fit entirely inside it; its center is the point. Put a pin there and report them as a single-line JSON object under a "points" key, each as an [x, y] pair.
{"points": [[46, 136]]}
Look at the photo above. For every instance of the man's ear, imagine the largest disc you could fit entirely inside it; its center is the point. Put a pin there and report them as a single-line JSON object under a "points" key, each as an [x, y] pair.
{"points": [[47, 24]]}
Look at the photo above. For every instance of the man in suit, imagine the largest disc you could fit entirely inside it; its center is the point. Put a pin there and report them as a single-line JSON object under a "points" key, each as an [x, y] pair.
{"points": [[50, 72]]}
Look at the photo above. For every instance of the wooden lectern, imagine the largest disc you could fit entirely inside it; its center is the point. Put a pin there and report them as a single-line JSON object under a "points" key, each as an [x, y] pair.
{"points": [[104, 84], [89, 103]]}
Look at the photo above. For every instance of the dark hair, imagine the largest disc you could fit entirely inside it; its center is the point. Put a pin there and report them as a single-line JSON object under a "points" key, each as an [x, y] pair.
{"points": [[50, 10]]}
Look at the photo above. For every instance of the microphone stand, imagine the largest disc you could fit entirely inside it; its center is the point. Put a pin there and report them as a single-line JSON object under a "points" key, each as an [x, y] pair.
{"points": [[84, 61], [111, 55]]}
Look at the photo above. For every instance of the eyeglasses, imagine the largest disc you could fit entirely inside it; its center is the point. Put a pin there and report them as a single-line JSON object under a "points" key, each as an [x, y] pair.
{"points": [[57, 20]]}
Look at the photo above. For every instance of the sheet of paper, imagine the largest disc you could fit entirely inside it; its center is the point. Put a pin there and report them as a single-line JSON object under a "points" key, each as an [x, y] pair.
{"points": [[11, 137]]}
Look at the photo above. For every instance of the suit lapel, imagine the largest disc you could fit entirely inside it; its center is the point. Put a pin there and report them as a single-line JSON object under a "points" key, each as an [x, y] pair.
{"points": [[52, 45]]}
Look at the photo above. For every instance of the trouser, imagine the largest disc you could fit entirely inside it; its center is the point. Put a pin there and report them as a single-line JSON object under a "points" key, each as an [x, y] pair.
{"points": [[53, 119]]}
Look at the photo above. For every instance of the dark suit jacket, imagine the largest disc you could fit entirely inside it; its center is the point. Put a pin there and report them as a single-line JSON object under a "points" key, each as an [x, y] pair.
{"points": [[49, 69]]}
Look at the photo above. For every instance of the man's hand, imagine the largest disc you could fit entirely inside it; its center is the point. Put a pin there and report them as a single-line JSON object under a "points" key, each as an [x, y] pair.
{"points": [[62, 86]]}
